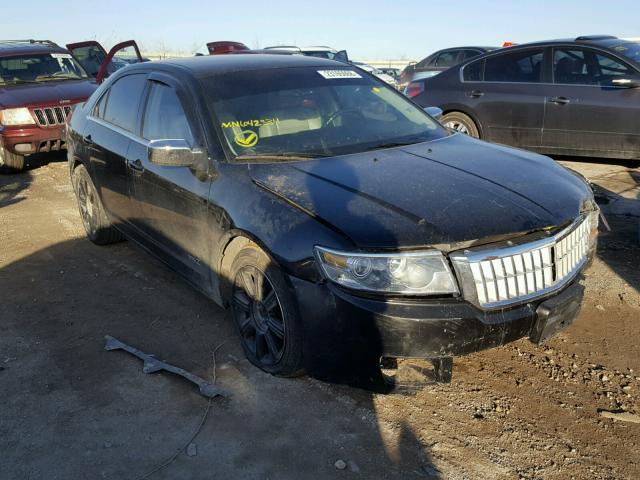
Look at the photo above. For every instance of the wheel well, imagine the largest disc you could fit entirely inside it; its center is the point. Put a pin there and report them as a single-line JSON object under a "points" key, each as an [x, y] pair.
{"points": [[470, 115], [227, 255]]}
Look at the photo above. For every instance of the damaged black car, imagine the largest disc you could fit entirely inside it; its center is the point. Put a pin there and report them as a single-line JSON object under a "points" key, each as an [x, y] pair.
{"points": [[340, 222]]}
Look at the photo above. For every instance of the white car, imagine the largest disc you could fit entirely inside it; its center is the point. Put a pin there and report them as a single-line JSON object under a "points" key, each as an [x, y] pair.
{"points": [[317, 51], [378, 73]]}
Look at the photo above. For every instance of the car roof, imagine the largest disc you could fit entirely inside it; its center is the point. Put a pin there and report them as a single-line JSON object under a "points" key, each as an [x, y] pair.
{"points": [[467, 47], [26, 47], [207, 65], [604, 41]]}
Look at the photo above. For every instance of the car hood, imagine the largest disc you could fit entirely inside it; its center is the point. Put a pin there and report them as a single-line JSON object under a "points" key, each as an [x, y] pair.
{"points": [[46, 93], [449, 191]]}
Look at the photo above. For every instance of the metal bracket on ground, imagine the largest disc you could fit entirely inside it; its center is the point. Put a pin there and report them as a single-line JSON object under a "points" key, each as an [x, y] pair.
{"points": [[152, 365]]}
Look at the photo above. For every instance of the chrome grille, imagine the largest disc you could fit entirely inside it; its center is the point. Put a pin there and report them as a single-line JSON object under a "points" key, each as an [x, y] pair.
{"points": [[502, 276], [51, 116]]}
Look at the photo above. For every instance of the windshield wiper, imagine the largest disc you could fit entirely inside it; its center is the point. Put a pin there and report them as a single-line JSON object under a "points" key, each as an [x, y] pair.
{"points": [[46, 78], [280, 156], [392, 144], [17, 81]]}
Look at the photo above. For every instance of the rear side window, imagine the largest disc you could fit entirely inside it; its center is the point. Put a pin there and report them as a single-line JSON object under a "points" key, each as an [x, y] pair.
{"points": [[98, 109], [164, 117], [447, 59], [122, 104], [473, 71], [517, 67]]}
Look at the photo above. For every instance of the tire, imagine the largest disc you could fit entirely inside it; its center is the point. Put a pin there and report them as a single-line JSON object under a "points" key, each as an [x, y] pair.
{"points": [[94, 219], [10, 162], [460, 122], [265, 314]]}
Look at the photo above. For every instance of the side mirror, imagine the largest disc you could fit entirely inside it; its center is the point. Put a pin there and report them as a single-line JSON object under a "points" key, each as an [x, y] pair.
{"points": [[172, 153], [627, 82], [434, 112]]}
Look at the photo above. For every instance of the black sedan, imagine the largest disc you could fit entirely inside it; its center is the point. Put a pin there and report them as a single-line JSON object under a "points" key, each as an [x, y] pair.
{"points": [[568, 97], [339, 221]]}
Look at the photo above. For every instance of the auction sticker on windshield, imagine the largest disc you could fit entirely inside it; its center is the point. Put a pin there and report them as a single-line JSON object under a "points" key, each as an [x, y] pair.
{"points": [[61, 55], [246, 138], [330, 74]]}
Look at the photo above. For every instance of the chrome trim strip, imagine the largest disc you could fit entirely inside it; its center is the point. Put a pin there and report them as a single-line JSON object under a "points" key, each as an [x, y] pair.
{"points": [[537, 268]]}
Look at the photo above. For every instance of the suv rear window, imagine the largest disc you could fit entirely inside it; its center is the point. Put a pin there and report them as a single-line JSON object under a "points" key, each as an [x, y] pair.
{"points": [[519, 67]]}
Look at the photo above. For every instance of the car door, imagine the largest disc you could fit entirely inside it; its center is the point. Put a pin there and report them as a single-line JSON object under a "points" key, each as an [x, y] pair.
{"points": [[99, 63], [586, 113], [506, 94], [108, 133], [170, 202]]}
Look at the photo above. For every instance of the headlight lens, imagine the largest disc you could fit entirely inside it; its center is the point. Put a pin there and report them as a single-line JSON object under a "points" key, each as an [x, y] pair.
{"points": [[16, 116], [415, 273]]}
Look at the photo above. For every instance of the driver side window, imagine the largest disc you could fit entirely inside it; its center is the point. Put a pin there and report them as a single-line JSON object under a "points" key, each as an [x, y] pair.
{"points": [[164, 117]]}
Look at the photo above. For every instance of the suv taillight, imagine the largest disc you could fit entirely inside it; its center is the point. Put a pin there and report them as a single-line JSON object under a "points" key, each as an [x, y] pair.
{"points": [[414, 89]]}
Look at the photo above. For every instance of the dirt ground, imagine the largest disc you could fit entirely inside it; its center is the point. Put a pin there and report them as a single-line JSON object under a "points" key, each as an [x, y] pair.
{"points": [[71, 410]]}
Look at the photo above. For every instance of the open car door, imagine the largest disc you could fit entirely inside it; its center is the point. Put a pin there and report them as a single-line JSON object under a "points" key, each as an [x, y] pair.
{"points": [[222, 47], [99, 63]]}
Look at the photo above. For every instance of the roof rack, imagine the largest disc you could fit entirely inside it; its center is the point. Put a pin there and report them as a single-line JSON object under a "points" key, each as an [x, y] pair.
{"points": [[595, 37], [29, 42]]}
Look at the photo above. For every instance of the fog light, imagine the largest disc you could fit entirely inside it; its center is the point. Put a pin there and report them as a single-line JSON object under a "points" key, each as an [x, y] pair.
{"points": [[23, 148]]}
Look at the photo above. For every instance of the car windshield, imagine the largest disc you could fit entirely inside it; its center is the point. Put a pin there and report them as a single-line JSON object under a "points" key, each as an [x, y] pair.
{"points": [[630, 50], [42, 67], [312, 112], [320, 54]]}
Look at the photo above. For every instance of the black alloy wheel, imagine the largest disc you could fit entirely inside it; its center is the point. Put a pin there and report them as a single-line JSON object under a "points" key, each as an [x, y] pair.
{"points": [[259, 316]]}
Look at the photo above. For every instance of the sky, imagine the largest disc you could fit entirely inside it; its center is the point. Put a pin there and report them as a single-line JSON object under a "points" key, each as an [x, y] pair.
{"points": [[368, 30]]}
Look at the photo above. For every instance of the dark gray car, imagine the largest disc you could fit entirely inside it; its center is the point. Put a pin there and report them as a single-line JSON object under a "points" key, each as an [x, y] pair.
{"points": [[570, 97], [439, 61]]}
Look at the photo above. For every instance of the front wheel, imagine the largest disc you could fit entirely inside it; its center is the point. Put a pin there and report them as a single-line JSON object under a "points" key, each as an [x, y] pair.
{"points": [[460, 122], [10, 162], [265, 314]]}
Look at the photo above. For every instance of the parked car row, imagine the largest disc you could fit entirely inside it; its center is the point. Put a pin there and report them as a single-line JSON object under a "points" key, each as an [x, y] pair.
{"points": [[337, 219]]}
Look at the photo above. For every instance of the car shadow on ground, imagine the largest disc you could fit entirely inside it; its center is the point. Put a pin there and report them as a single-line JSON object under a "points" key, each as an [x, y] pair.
{"points": [[73, 410], [13, 184]]}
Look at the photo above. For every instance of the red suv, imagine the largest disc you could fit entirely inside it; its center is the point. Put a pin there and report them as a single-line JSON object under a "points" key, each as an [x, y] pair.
{"points": [[40, 82]]}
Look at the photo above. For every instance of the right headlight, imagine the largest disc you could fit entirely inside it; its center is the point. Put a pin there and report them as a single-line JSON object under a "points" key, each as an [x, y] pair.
{"points": [[414, 273], [16, 116]]}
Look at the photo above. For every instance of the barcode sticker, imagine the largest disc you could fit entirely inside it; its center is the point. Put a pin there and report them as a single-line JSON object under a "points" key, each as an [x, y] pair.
{"points": [[61, 55], [331, 74]]}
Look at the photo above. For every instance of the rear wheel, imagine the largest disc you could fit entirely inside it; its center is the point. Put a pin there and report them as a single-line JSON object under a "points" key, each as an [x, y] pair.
{"points": [[96, 223], [10, 162], [265, 314], [460, 122]]}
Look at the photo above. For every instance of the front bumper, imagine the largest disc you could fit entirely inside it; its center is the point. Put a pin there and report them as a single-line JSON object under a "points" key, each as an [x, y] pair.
{"points": [[32, 139], [346, 335]]}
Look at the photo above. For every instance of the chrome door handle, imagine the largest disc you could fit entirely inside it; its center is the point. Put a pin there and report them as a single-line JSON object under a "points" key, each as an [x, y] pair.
{"points": [[560, 100]]}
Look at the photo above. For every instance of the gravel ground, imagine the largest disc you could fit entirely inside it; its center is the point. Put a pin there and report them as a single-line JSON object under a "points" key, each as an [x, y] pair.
{"points": [[70, 409]]}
